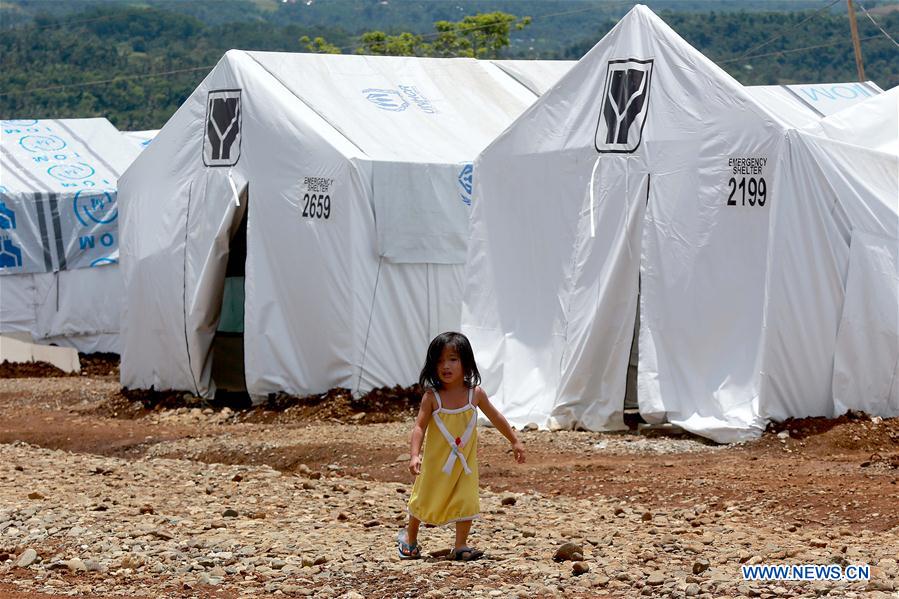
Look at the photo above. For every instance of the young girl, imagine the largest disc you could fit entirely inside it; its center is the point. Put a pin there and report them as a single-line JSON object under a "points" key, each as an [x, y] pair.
{"points": [[446, 487]]}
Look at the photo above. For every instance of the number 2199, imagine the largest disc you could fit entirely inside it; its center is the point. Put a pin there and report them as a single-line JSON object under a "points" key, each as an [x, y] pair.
{"points": [[753, 191], [316, 205]]}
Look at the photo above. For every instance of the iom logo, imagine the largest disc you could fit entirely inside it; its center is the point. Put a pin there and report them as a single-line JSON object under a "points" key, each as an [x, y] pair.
{"points": [[42, 143], [625, 103], [465, 181], [221, 141], [95, 207], [386, 99], [71, 172]]}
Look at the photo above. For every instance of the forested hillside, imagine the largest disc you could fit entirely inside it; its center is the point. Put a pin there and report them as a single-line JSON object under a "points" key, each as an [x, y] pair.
{"points": [[142, 59]]}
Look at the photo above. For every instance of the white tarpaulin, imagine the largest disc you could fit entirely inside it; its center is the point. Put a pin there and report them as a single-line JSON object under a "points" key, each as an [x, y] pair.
{"points": [[355, 174], [648, 175], [59, 230]]}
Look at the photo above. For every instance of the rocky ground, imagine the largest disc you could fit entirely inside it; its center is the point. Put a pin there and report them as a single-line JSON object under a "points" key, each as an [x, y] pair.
{"points": [[102, 495]]}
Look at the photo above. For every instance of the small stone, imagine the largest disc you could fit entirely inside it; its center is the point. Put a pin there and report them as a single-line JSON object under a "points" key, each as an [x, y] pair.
{"points": [[568, 552], [646, 517], [818, 543], [700, 565], [526, 533], [655, 579], [691, 590], [237, 478], [230, 513], [403, 457], [508, 500], [319, 560], [579, 568], [146, 509], [372, 523], [35, 495], [76, 565], [27, 558]]}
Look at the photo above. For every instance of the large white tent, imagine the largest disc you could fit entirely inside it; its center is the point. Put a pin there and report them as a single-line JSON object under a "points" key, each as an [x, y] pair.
{"points": [[315, 207], [647, 177], [59, 231]]}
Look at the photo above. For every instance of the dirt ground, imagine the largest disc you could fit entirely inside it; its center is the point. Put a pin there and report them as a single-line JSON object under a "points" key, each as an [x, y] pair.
{"points": [[811, 474]]}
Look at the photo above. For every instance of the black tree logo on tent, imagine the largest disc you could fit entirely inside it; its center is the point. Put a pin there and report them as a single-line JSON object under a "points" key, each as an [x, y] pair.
{"points": [[221, 142], [624, 106]]}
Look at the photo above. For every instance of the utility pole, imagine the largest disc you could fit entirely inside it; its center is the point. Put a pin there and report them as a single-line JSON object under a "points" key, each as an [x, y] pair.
{"points": [[856, 44]]}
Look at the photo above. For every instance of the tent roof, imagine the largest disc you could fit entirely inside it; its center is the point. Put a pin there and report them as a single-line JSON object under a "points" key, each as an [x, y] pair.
{"points": [[438, 110], [536, 75], [873, 123], [50, 155]]}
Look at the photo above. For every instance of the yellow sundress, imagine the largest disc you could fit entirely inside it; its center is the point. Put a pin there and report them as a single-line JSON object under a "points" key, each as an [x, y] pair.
{"points": [[446, 489]]}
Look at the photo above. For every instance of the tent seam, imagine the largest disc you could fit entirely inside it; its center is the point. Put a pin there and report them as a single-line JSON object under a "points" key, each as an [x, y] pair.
{"points": [[184, 289], [320, 115]]}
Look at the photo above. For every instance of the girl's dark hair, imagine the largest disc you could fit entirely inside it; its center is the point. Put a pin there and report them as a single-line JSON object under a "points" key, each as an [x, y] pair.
{"points": [[459, 342]]}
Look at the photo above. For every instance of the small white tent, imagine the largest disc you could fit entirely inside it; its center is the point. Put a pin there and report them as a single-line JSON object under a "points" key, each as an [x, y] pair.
{"points": [[59, 231], [649, 177], [319, 205]]}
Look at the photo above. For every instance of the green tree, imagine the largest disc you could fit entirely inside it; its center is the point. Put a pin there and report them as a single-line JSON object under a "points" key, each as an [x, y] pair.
{"points": [[319, 45], [477, 36], [382, 44]]}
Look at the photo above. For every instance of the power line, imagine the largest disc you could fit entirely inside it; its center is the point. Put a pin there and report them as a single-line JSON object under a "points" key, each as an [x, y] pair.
{"points": [[786, 31], [166, 73], [104, 81], [803, 49], [484, 26], [31, 27], [876, 24]]}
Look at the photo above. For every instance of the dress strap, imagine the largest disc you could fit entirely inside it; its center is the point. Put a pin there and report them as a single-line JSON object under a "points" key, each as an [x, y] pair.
{"points": [[470, 396], [437, 397]]}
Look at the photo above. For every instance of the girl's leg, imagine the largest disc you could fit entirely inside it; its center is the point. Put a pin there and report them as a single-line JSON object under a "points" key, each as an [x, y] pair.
{"points": [[412, 530], [462, 529]]}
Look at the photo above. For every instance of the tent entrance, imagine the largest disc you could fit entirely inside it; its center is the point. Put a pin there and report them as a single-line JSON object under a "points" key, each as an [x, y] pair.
{"points": [[228, 343], [630, 387]]}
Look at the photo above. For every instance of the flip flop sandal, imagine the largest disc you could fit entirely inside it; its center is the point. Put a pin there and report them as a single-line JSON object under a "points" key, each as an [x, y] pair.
{"points": [[404, 549], [465, 554]]}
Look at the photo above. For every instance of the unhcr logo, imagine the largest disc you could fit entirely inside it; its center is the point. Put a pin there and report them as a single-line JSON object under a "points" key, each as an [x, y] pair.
{"points": [[386, 99], [398, 100], [625, 102], [221, 141]]}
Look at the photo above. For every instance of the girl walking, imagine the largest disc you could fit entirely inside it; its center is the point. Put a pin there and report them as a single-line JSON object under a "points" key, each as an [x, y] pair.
{"points": [[446, 484]]}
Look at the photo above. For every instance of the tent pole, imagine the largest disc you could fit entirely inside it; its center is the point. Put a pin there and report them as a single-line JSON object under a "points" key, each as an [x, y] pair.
{"points": [[856, 44]]}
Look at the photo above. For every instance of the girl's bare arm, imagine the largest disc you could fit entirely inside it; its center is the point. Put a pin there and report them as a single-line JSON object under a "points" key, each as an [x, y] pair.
{"points": [[418, 431], [502, 425]]}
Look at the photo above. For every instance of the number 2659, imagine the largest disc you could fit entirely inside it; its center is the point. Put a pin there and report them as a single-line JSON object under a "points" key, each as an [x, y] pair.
{"points": [[316, 205]]}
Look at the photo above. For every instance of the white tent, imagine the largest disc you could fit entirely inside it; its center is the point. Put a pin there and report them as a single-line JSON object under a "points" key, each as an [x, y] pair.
{"points": [[140, 138], [308, 213], [648, 176], [59, 231]]}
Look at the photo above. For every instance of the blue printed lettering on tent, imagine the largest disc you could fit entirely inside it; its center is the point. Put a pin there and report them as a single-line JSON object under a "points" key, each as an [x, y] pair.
{"points": [[103, 262], [42, 143], [10, 255], [95, 207], [7, 217], [465, 183], [386, 99], [19, 123], [71, 172]]}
